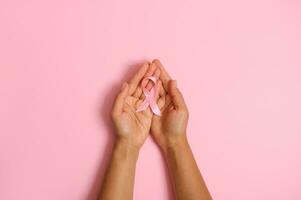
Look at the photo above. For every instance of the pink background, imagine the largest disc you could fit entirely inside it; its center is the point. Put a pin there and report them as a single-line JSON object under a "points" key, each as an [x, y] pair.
{"points": [[237, 62]]}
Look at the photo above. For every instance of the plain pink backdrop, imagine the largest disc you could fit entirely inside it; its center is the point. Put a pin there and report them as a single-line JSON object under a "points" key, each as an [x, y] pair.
{"points": [[238, 64]]}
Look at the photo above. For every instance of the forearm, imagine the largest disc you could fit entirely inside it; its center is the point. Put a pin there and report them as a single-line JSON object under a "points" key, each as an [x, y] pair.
{"points": [[119, 178], [187, 179]]}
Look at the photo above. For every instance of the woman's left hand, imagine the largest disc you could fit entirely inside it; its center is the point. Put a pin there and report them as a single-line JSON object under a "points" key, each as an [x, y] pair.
{"points": [[133, 127]]}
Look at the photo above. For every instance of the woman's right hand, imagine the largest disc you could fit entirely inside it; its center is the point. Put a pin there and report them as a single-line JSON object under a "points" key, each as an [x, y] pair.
{"points": [[170, 128]]}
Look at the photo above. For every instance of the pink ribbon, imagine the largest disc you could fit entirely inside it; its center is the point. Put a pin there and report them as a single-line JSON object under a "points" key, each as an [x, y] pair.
{"points": [[150, 99]]}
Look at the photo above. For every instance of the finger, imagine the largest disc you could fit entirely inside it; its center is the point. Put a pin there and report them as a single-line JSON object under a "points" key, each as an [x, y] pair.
{"points": [[150, 72], [137, 92], [145, 82], [162, 91], [134, 82], [164, 76], [159, 86], [150, 84], [176, 95], [120, 100], [138, 103], [161, 102]]}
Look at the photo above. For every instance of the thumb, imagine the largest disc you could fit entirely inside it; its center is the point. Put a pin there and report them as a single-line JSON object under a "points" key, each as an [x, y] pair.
{"points": [[120, 100], [176, 95]]}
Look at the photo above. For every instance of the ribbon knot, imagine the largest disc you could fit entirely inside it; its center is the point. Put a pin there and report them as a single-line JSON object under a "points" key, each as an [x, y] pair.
{"points": [[150, 98]]}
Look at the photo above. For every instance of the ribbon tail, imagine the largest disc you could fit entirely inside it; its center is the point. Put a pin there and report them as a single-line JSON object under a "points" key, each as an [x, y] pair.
{"points": [[150, 98], [143, 106], [155, 108]]}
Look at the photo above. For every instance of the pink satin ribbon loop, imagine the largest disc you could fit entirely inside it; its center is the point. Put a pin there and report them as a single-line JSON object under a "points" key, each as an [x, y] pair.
{"points": [[150, 98]]}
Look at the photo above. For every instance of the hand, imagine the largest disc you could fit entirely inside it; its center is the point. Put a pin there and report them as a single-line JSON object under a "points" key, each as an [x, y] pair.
{"points": [[133, 127], [170, 128]]}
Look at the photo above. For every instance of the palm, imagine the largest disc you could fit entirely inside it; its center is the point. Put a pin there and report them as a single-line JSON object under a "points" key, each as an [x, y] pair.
{"points": [[136, 123], [160, 123], [131, 125], [165, 124]]}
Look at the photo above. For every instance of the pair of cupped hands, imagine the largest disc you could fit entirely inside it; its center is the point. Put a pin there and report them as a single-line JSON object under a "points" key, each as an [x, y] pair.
{"points": [[133, 127]]}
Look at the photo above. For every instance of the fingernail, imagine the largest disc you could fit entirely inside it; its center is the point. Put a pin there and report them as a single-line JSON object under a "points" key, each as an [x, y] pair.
{"points": [[175, 83]]}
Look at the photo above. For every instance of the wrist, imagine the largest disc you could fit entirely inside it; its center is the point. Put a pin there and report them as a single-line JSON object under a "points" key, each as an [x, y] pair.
{"points": [[124, 153], [172, 144], [125, 145]]}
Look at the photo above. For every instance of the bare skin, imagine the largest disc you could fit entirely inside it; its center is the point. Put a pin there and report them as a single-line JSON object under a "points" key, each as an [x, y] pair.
{"points": [[169, 132], [132, 129]]}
